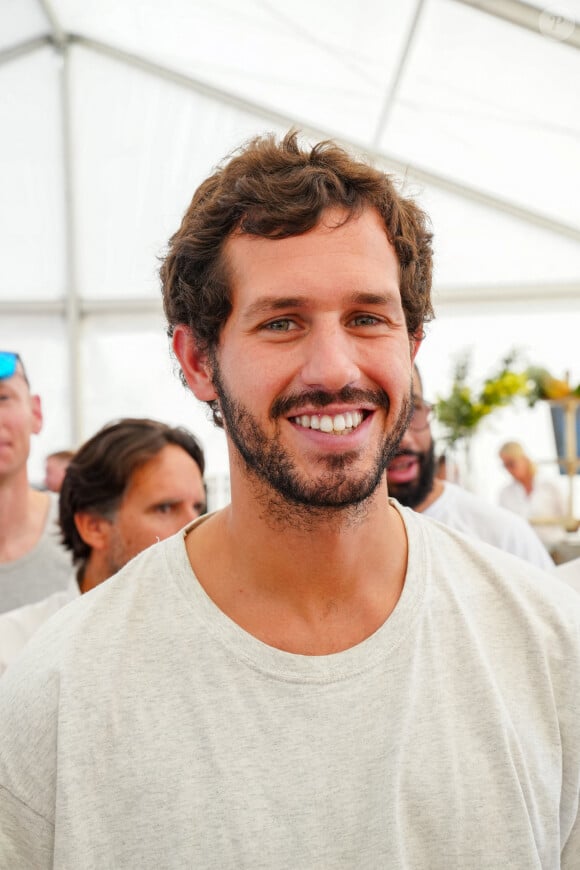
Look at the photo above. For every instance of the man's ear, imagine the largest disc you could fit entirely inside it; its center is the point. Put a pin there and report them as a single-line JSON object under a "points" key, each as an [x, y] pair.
{"points": [[195, 365], [93, 529], [415, 343], [36, 407]]}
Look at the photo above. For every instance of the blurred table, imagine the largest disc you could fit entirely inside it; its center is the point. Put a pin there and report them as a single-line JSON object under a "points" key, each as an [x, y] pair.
{"points": [[566, 549]]}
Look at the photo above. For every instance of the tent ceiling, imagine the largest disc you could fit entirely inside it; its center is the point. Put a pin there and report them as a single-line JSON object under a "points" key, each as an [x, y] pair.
{"points": [[115, 110]]}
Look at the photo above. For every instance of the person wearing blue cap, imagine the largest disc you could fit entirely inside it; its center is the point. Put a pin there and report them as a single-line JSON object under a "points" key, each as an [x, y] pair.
{"points": [[33, 562]]}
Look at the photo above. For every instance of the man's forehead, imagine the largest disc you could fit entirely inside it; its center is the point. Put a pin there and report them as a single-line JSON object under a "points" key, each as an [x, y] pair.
{"points": [[148, 474], [17, 381]]}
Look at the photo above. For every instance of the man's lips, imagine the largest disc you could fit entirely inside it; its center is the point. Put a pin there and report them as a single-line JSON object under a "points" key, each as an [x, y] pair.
{"points": [[337, 423], [403, 469]]}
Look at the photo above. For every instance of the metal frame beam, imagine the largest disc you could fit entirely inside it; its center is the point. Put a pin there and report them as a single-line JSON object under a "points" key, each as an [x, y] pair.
{"points": [[72, 294], [58, 35], [519, 294], [7, 55], [71, 310], [540, 21], [391, 96]]}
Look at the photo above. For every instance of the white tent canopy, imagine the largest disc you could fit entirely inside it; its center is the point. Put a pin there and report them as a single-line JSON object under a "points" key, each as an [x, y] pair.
{"points": [[112, 112]]}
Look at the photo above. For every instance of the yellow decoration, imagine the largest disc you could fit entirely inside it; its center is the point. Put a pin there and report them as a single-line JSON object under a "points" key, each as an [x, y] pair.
{"points": [[461, 412]]}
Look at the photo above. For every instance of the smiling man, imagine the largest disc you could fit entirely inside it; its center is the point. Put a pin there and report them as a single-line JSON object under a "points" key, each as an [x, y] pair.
{"points": [[304, 678], [411, 480]]}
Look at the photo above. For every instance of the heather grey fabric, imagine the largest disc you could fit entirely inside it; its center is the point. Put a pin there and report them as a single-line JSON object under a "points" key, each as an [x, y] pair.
{"points": [[142, 728]]}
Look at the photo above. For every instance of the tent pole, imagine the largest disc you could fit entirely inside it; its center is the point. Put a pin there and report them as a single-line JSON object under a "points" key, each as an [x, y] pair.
{"points": [[72, 307]]}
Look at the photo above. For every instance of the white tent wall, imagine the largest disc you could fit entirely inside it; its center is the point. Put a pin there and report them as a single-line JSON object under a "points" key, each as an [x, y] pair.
{"points": [[109, 124]]}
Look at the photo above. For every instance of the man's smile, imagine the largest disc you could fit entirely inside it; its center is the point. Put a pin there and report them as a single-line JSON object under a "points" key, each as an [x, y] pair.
{"points": [[403, 468], [337, 424]]}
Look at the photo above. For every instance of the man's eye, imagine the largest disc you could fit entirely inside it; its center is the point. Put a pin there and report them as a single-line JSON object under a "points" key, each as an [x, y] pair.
{"points": [[165, 508], [365, 320], [283, 324]]}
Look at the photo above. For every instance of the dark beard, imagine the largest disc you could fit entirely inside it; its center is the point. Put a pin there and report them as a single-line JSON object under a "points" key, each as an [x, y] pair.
{"points": [[413, 493], [336, 487]]}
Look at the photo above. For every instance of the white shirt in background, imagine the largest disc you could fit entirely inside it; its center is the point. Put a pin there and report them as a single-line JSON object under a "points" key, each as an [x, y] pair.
{"points": [[17, 626], [546, 500], [467, 513]]}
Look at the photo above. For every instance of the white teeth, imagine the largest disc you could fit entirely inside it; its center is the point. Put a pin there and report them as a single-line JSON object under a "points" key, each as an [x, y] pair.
{"points": [[339, 423]]}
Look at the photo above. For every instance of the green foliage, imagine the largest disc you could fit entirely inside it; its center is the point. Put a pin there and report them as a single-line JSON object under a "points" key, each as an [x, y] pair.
{"points": [[544, 386], [462, 411]]}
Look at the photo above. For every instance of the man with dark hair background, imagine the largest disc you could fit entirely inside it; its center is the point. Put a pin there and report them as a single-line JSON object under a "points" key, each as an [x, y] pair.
{"points": [[411, 480], [55, 466], [135, 482], [33, 563], [313, 676]]}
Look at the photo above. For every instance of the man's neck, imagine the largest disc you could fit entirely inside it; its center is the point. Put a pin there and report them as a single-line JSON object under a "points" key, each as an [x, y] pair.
{"points": [[306, 588], [94, 572], [23, 513]]}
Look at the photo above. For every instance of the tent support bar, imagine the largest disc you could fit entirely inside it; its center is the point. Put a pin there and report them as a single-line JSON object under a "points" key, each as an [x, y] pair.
{"points": [[517, 294], [86, 307], [540, 21], [394, 89], [23, 48], [58, 34], [72, 298]]}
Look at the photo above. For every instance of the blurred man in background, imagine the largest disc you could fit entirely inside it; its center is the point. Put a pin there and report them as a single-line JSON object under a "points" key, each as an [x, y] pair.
{"points": [[411, 480], [33, 562], [134, 483], [531, 496], [55, 466]]}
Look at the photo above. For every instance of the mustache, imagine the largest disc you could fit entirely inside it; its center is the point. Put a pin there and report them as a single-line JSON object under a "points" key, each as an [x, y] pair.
{"points": [[282, 406]]}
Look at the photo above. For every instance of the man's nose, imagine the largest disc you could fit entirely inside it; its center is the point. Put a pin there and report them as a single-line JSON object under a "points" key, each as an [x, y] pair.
{"points": [[330, 359]]}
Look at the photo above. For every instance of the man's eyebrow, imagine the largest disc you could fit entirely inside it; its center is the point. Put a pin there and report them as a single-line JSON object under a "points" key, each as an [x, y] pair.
{"points": [[368, 298], [269, 304]]}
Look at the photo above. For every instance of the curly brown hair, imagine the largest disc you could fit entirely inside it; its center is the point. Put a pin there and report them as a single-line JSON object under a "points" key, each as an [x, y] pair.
{"points": [[275, 189]]}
